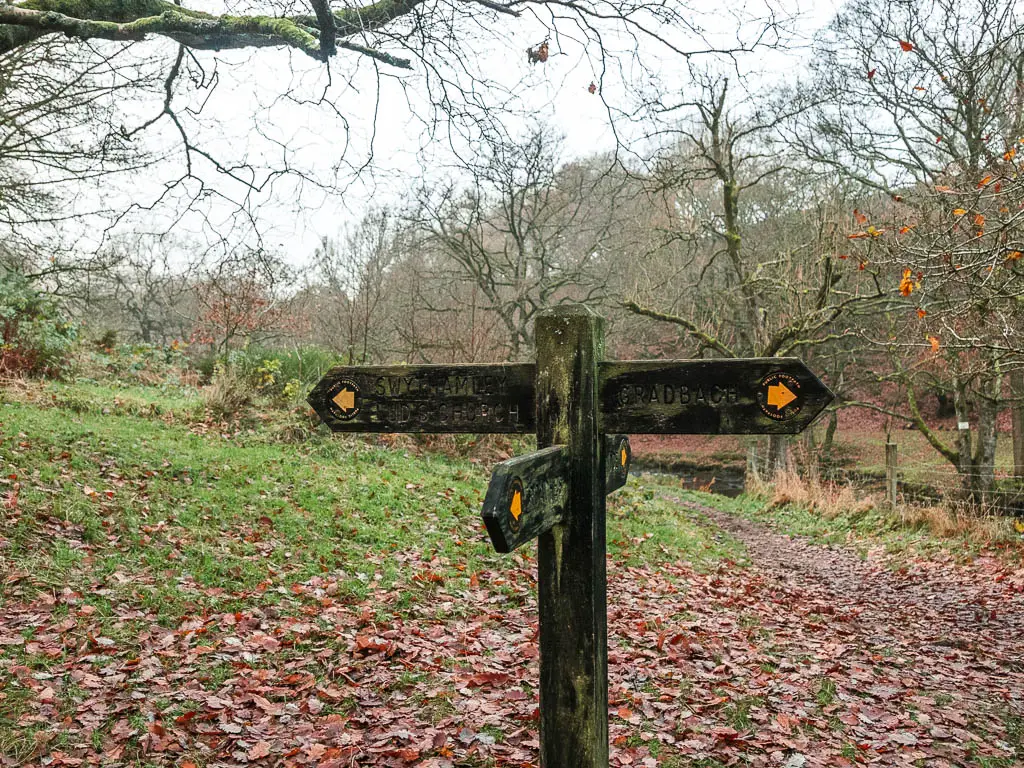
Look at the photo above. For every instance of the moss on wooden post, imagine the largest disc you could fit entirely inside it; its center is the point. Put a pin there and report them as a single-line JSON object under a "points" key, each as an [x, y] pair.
{"points": [[571, 558]]}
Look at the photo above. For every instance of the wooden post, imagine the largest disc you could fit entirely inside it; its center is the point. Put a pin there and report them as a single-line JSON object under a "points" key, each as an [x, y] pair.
{"points": [[558, 493], [571, 556], [890, 475]]}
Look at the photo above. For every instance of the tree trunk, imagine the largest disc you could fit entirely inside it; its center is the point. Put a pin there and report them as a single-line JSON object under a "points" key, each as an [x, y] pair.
{"points": [[963, 437], [1017, 409], [753, 473], [830, 433], [985, 450], [778, 454]]}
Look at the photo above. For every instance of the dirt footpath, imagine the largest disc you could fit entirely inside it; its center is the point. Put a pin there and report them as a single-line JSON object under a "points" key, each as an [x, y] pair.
{"points": [[923, 665]]}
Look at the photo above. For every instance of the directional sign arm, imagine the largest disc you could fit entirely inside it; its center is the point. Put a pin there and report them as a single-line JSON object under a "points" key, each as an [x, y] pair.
{"points": [[427, 398], [762, 395], [526, 497], [617, 457]]}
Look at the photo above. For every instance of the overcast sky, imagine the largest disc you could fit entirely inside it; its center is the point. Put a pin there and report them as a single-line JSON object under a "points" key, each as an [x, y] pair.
{"points": [[273, 108]]}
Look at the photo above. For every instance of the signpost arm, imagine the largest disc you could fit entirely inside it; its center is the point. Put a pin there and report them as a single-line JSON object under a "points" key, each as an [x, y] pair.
{"points": [[571, 556]]}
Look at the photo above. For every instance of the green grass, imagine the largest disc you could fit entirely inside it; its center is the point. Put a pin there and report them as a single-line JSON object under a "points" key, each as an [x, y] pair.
{"points": [[826, 693], [145, 515], [645, 522], [860, 529], [183, 522], [918, 461]]}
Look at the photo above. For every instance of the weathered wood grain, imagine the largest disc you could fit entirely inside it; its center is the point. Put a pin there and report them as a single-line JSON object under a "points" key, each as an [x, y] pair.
{"points": [[710, 397], [427, 398]]}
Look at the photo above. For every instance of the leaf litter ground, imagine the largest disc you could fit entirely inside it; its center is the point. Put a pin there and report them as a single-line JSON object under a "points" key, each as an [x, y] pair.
{"points": [[170, 598]]}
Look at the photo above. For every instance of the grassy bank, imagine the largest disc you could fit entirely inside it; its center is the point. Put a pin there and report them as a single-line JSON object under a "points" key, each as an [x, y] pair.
{"points": [[126, 518]]}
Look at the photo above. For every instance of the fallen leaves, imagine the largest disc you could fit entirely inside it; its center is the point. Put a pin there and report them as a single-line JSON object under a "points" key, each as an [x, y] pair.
{"points": [[259, 750], [812, 657]]}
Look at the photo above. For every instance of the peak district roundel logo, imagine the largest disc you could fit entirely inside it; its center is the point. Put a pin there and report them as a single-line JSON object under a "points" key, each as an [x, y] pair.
{"points": [[344, 396], [779, 396]]}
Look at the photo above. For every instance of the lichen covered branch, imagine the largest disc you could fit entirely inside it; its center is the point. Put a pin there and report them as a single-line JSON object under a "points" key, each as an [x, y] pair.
{"points": [[129, 20]]}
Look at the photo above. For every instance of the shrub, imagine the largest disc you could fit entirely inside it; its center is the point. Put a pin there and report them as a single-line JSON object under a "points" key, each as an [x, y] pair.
{"points": [[228, 395], [273, 372], [150, 364], [35, 338], [306, 365]]}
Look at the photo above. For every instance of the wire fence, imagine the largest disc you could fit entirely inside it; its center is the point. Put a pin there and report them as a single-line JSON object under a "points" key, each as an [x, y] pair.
{"points": [[923, 483], [992, 487]]}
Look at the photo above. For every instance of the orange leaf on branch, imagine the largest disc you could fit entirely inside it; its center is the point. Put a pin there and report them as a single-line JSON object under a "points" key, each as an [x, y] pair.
{"points": [[921, 313], [934, 341], [907, 283], [907, 47]]}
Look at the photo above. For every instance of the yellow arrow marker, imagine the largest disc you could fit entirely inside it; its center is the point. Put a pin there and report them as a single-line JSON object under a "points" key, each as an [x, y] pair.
{"points": [[517, 504], [622, 456], [345, 399], [779, 395]]}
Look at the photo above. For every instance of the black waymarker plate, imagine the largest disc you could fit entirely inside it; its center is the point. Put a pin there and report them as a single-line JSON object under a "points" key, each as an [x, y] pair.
{"points": [[527, 495]]}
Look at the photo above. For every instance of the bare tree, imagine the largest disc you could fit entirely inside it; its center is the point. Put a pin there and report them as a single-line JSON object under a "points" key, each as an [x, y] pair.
{"points": [[142, 290], [238, 299], [352, 274], [528, 233], [348, 63], [923, 108], [59, 127], [762, 276]]}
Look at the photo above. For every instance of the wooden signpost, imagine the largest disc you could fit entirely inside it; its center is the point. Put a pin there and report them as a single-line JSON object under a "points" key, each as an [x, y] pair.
{"points": [[580, 408]]}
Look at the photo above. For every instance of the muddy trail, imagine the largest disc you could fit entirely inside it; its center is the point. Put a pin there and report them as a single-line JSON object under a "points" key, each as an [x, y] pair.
{"points": [[920, 663]]}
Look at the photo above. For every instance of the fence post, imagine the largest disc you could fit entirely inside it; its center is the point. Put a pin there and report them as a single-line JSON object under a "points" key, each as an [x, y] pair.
{"points": [[752, 475], [571, 556], [890, 475]]}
